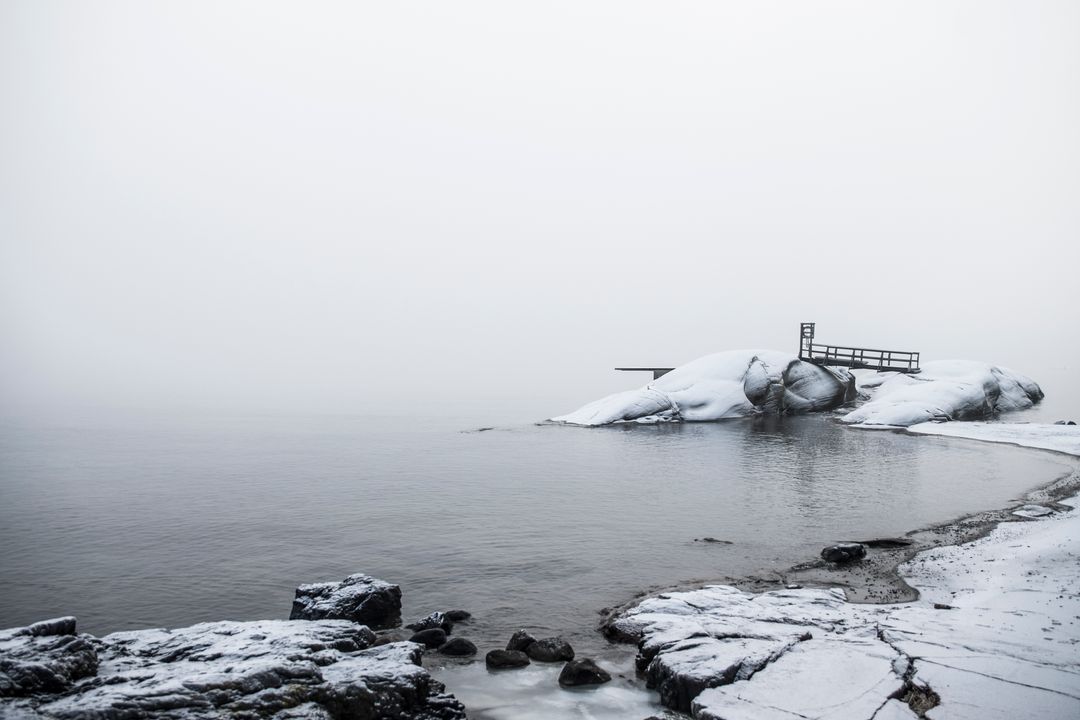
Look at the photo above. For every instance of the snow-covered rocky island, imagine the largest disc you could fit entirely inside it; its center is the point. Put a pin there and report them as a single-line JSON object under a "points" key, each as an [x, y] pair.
{"points": [[740, 383]]}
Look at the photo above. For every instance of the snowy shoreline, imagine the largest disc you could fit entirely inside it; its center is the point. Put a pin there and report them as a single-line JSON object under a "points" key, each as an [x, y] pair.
{"points": [[972, 645]]}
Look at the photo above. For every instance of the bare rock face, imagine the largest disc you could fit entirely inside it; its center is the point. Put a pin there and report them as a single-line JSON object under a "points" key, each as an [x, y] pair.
{"points": [[360, 598], [46, 657], [273, 669]]}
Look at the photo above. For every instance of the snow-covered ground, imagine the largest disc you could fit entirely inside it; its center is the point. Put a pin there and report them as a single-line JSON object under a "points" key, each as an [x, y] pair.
{"points": [[995, 633], [944, 390], [724, 385]]}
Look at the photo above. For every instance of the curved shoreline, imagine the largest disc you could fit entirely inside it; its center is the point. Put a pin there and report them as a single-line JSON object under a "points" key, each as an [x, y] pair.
{"points": [[703, 635]]}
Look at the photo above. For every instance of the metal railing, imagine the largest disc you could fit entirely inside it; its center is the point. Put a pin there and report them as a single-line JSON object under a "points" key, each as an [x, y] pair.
{"points": [[867, 358]]}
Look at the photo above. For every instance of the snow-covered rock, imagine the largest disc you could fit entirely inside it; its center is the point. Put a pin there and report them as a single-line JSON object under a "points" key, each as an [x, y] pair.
{"points": [[724, 385], [267, 669], [993, 635], [360, 598], [944, 390]]}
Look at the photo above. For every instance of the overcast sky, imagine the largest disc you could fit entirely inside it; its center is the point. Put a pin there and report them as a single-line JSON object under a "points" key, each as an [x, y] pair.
{"points": [[348, 207]]}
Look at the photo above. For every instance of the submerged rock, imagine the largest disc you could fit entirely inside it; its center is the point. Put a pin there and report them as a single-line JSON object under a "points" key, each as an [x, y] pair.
{"points": [[505, 659], [457, 647], [360, 598], [457, 615], [553, 649], [267, 669], [844, 553], [583, 672]]}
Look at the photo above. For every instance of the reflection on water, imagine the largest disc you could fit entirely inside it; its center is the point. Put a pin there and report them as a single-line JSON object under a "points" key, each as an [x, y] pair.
{"points": [[170, 523]]}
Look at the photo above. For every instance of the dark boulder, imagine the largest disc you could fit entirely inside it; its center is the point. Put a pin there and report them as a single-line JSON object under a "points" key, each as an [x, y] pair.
{"points": [[553, 649], [359, 598], [457, 615], [844, 553], [434, 620], [458, 647], [432, 637], [520, 640], [583, 672], [505, 659]]}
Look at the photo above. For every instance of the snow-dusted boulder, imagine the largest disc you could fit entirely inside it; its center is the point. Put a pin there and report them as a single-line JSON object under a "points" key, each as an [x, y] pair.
{"points": [[360, 598], [267, 669], [724, 385], [944, 390]]}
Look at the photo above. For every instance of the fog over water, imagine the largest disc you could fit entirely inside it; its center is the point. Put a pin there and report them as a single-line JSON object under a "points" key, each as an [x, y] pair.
{"points": [[401, 207]]}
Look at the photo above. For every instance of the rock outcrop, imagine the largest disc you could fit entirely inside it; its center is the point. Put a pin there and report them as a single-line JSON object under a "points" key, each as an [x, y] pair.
{"points": [[360, 598], [274, 669]]}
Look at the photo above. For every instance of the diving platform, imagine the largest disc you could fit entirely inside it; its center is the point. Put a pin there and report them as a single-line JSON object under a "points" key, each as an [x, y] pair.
{"points": [[901, 361], [657, 373]]}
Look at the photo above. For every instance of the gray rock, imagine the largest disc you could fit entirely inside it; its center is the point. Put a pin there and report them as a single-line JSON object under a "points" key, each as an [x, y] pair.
{"points": [[458, 647], [505, 659], [844, 553], [457, 615], [434, 620], [583, 672], [273, 669], [553, 649], [520, 640], [1064, 422], [359, 598], [432, 637]]}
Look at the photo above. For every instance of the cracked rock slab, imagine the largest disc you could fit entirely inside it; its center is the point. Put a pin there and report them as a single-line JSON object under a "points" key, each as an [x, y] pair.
{"points": [[834, 677]]}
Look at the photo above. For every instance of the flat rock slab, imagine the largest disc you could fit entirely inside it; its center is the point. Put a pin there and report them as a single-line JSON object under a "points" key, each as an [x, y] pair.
{"points": [[360, 598], [832, 677], [269, 669]]}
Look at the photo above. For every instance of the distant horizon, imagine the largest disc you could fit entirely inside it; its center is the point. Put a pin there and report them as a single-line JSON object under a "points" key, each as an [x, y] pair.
{"points": [[342, 208]]}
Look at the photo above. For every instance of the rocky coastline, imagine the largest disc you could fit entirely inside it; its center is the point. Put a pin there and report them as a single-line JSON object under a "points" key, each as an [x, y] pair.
{"points": [[974, 619]]}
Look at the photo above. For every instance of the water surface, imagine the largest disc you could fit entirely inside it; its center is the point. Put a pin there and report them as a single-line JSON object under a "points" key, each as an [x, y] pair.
{"points": [[167, 522]]}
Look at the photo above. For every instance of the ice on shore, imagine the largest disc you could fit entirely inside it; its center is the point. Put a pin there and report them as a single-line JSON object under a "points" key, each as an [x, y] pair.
{"points": [[724, 385], [944, 390], [1061, 438]]}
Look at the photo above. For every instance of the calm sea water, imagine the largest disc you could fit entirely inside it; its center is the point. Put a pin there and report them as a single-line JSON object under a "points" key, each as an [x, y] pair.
{"points": [[170, 522]]}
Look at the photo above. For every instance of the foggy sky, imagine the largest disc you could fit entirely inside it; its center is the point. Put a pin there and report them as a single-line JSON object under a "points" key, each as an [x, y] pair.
{"points": [[354, 207]]}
